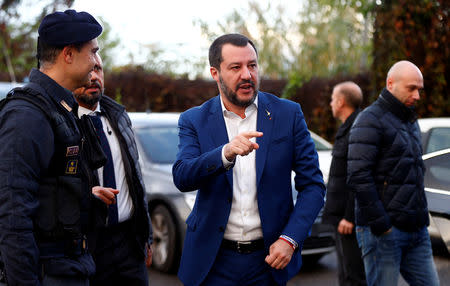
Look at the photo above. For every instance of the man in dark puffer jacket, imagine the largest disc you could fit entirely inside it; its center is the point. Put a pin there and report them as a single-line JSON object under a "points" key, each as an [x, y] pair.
{"points": [[386, 171]]}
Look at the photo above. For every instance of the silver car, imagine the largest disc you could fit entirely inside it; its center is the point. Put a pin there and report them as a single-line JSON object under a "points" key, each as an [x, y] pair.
{"points": [[435, 133], [435, 137], [157, 139], [437, 190]]}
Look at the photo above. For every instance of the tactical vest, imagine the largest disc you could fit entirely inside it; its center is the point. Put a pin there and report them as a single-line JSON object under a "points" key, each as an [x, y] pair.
{"points": [[64, 188]]}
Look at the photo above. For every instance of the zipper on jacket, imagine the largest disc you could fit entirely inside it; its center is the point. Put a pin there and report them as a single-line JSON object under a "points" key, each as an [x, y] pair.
{"points": [[84, 167], [385, 185], [82, 144]]}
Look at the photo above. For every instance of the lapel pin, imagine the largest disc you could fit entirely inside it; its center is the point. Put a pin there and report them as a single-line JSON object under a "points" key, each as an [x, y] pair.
{"points": [[268, 114]]}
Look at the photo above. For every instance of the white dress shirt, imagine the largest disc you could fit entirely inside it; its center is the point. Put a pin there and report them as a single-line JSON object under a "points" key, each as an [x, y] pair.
{"points": [[244, 222], [124, 202]]}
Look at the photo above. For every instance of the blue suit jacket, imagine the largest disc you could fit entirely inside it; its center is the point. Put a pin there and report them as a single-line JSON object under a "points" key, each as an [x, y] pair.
{"points": [[285, 146]]}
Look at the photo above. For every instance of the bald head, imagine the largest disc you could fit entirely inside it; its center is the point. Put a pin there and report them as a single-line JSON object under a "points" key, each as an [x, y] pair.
{"points": [[404, 80], [351, 92], [403, 67], [346, 97]]}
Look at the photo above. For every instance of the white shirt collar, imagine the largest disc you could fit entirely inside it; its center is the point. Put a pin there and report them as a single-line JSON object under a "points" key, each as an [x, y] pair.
{"points": [[253, 106], [85, 111]]}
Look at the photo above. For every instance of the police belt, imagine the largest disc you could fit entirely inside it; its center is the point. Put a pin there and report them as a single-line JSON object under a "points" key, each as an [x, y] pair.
{"points": [[62, 248]]}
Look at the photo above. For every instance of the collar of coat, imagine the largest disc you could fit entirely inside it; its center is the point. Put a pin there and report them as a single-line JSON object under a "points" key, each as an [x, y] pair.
{"points": [[108, 105], [391, 103], [345, 127]]}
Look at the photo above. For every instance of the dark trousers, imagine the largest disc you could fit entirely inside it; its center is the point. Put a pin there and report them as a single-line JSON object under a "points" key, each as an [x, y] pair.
{"points": [[62, 281], [237, 269], [350, 264], [117, 259]]}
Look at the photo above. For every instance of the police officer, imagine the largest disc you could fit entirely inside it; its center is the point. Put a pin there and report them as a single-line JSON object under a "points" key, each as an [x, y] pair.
{"points": [[43, 193]]}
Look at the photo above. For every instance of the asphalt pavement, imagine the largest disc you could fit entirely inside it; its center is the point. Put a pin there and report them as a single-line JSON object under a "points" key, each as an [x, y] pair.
{"points": [[322, 273]]}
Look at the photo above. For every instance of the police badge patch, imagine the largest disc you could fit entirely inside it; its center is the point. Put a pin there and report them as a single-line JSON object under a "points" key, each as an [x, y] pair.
{"points": [[72, 151], [71, 168]]}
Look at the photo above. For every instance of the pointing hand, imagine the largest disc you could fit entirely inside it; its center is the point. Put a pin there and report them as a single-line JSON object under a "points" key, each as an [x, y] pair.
{"points": [[241, 145]]}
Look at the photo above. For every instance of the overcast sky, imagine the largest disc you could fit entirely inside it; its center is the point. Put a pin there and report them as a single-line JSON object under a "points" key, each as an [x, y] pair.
{"points": [[168, 23], [165, 23]]}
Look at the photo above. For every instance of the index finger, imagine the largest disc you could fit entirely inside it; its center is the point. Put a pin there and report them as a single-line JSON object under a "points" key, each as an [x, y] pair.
{"points": [[114, 191], [270, 259], [107, 191], [251, 134]]}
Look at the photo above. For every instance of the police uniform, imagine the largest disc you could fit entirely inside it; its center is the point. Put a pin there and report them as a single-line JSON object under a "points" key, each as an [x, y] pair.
{"points": [[43, 189]]}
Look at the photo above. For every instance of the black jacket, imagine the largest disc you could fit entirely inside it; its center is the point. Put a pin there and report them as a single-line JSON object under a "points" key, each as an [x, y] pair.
{"points": [[30, 173], [340, 202], [385, 167], [121, 124]]}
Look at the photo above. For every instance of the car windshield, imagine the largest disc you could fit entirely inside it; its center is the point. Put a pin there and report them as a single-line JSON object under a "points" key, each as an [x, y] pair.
{"points": [[160, 144]]}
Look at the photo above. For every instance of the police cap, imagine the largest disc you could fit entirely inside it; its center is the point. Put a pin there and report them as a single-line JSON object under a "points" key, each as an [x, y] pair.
{"points": [[68, 27]]}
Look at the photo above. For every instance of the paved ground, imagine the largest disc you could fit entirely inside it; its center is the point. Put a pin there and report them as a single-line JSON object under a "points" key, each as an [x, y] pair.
{"points": [[322, 273]]}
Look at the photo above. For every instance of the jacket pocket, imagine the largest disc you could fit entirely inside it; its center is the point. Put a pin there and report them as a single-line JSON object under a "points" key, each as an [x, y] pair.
{"points": [[46, 212], [69, 198]]}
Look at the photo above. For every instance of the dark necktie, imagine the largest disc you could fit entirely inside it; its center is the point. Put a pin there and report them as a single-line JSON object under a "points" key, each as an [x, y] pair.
{"points": [[109, 179]]}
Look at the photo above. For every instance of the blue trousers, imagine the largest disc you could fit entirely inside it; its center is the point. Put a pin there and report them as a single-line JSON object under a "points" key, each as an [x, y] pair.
{"points": [[388, 255], [235, 269]]}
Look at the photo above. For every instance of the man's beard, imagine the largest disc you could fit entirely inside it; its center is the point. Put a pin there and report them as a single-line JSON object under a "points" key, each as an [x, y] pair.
{"points": [[232, 96], [89, 99]]}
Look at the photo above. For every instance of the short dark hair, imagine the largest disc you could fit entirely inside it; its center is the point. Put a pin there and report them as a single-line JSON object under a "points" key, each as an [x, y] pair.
{"points": [[47, 53], [215, 50]]}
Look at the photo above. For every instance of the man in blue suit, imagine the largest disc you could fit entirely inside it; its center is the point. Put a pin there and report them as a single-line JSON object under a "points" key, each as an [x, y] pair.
{"points": [[238, 150]]}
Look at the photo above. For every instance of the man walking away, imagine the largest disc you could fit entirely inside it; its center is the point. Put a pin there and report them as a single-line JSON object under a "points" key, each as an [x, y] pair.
{"points": [[386, 171]]}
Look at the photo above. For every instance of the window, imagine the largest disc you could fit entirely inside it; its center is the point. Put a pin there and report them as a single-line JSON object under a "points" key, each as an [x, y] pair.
{"points": [[439, 139], [160, 144], [437, 175]]}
